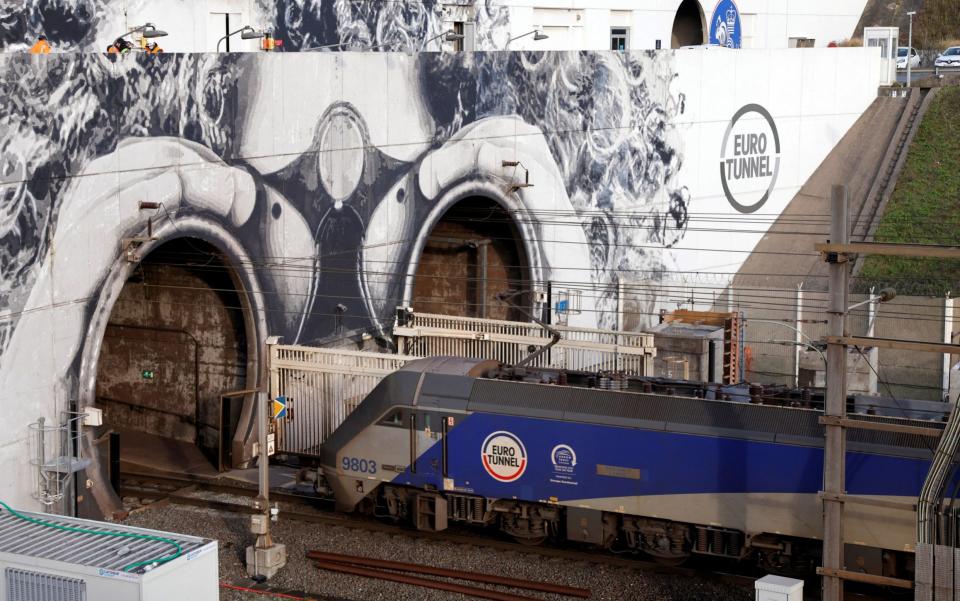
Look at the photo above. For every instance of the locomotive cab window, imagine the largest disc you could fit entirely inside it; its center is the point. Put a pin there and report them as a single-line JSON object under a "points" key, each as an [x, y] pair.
{"points": [[393, 418]]}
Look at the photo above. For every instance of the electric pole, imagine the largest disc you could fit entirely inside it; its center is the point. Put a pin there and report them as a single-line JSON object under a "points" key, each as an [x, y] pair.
{"points": [[835, 409]]}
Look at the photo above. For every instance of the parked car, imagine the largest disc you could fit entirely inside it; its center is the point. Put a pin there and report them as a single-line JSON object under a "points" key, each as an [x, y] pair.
{"points": [[948, 58], [907, 54]]}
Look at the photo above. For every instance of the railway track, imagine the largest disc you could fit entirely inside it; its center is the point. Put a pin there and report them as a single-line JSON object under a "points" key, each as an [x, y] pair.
{"points": [[305, 508], [413, 574], [182, 490]]}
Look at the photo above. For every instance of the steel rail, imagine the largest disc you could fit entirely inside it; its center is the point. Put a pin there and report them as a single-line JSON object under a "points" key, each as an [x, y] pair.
{"points": [[400, 566], [472, 591], [321, 516]]}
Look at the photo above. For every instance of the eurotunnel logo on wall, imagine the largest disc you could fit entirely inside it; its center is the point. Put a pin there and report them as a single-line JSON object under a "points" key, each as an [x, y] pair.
{"points": [[750, 158], [725, 25], [504, 456]]}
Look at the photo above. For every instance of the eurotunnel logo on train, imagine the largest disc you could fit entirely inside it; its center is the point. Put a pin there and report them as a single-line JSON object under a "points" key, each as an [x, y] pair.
{"points": [[563, 457], [504, 456], [564, 460], [750, 158]]}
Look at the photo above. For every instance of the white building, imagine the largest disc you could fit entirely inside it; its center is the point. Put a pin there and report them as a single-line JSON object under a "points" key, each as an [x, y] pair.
{"points": [[652, 24], [198, 25]]}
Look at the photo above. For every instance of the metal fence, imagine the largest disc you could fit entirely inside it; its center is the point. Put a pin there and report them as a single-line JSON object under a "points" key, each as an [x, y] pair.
{"points": [[427, 334], [322, 387], [776, 352]]}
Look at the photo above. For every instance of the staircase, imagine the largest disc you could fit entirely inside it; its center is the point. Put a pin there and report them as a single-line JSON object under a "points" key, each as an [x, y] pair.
{"points": [[871, 210]]}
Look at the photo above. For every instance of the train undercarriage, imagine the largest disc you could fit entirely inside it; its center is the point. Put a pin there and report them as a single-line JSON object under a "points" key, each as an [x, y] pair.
{"points": [[667, 542]]}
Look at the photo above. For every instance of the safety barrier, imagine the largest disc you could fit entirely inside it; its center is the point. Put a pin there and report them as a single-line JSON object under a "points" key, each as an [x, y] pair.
{"points": [[322, 387], [427, 334]]}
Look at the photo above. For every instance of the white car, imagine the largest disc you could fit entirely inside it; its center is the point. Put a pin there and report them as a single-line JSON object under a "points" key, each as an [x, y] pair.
{"points": [[907, 54], [948, 58]]}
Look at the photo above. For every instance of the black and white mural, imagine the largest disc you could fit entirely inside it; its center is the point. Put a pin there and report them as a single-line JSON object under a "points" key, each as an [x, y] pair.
{"points": [[403, 25], [594, 131], [320, 175]]}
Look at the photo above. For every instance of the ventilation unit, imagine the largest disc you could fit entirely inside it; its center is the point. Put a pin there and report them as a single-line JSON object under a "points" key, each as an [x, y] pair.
{"points": [[56, 558]]}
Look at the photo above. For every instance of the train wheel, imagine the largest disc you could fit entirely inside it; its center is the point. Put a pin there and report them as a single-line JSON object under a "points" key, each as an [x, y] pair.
{"points": [[671, 561], [530, 542]]}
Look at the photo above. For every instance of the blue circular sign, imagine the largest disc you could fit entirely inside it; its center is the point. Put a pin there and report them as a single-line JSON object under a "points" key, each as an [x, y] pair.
{"points": [[725, 27]]}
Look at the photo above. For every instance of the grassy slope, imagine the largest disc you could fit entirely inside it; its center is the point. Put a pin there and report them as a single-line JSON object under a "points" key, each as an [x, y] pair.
{"points": [[925, 206]]}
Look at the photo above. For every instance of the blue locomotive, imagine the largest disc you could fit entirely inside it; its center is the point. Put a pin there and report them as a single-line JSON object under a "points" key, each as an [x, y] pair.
{"points": [[457, 440]]}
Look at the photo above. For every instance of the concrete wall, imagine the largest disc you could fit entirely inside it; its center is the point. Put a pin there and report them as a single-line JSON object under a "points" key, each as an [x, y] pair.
{"points": [[319, 177], [196, 25]]}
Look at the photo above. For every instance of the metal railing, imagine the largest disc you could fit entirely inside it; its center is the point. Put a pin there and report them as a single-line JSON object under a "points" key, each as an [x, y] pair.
{"points": [[322, 387], [427, 334]]}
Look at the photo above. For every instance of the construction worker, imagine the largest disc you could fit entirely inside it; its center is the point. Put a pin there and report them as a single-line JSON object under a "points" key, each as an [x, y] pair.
{"points": [[153, 48], [41, 46], [119, 46], [268, 44]]}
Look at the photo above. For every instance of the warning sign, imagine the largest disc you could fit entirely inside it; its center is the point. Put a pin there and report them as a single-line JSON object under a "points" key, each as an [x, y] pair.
{"points": [[279, 407], [504, 456]]}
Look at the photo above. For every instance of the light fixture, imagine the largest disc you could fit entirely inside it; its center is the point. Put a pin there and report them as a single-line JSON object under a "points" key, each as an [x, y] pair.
{"points": [[147, 30], [448, 36], [150, 31], [246, 33], [536, 33]]}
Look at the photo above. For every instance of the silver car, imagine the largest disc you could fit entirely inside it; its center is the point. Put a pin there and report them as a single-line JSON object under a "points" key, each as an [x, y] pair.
{"points": [[948, 58]]}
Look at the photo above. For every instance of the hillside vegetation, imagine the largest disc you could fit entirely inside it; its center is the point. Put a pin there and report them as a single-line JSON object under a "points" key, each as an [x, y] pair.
{"points": [[925, 206]]}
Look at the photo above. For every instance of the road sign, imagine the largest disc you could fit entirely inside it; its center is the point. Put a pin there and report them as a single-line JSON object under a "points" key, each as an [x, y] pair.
{"points": [[148, 374], [279, 407]]}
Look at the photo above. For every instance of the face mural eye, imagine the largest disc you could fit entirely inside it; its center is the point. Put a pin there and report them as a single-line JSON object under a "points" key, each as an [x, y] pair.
{"points": [[341, 145]]}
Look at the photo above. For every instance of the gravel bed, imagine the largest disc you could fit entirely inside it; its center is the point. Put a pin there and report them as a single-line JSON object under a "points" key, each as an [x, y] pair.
{"points": [[231, 530]]}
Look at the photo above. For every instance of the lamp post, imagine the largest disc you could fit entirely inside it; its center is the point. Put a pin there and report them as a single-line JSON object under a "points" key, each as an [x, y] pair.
{"points": [[246, 33], [909, 44], [448, 36], [147, 30], [536, 33]]}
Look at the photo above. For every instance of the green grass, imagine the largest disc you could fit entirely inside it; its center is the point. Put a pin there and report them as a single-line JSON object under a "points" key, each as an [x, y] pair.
{"points": [[925, 206]]}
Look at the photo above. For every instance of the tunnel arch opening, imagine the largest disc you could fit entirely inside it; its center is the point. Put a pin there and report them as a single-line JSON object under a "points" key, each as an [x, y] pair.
{"points": [[689, 25], [178, 337], [472, 253]]}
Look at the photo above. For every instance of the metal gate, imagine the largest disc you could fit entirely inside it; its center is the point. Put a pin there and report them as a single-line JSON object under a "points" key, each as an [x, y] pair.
{"points": [[322, 387]]}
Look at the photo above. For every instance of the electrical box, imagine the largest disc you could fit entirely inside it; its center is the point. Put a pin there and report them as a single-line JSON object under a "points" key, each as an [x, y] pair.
{"points": [[92, 416], [41, 563], [778, 588]]}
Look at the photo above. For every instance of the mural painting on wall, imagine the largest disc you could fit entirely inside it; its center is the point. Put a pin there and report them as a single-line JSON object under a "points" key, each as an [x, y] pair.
{"points": [[338, 223], [89, 25]]}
